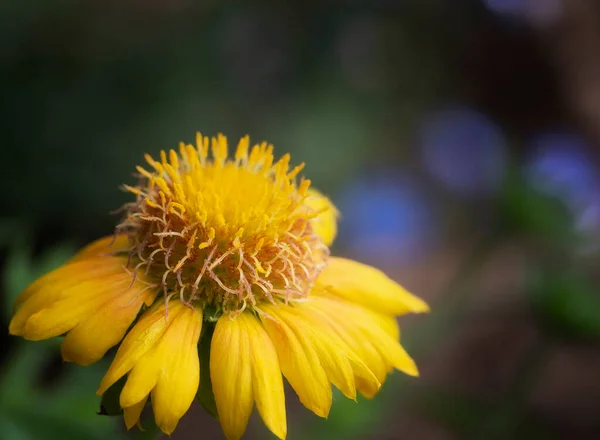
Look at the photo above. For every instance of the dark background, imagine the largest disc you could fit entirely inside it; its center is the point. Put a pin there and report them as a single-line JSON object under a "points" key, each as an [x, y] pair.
{"points": [[458, 138]]}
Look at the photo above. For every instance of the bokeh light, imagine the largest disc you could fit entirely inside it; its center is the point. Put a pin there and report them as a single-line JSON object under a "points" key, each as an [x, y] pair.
{"points": [[535, 12], [505, 6], [560, 166], [387, 219], [464, 150]]}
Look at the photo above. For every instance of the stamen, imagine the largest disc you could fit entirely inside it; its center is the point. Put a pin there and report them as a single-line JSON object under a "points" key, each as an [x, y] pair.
{"points": [[242, 221], [151, 258], [204, 267], [167, 299]]}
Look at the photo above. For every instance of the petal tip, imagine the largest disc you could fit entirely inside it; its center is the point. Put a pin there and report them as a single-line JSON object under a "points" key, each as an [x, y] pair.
{"points": [[14, 329], [423, 307], [321, 412], [102, 388], [167, 426], [411, 370], [76, 358], [280, 432]]}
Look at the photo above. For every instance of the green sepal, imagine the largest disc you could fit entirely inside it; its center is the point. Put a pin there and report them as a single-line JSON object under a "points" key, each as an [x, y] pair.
{"points": [[109, 405], [205, 395]]}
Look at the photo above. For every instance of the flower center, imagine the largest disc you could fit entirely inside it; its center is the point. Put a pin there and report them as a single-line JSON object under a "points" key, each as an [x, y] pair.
{"points": [[224, 232]]}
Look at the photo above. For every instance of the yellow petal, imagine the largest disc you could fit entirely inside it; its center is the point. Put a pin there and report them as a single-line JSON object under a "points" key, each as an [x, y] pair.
{"points": [[368, 331], [299, 362], [403, 362], [143, 377], [366, 387], [388, 323], [325, 224], [365, 380], [93, 337], [57, 307], [267, 383], [231, 374], [142, 337], [332, 355], [180, 374], [58, 319], [105, 246], [369, 287], [131, 414], [333, 313], [81, 280]]}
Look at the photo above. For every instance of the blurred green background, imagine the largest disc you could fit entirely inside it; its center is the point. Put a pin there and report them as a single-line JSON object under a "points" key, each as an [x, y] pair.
{"points": [[459, 139]]}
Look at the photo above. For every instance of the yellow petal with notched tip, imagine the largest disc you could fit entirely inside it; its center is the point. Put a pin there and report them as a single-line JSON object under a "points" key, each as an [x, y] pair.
{"points": [[365, 380], [94, 301], [89, 341], [331, 312], [180, 373], [231, 374], [367, 332], [86, 280], [299, 362], [267, 382], [168, 368], [141, 338], [332, 356], [132, 414]]}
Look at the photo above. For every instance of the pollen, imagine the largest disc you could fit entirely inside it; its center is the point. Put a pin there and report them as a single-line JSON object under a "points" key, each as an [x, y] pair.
{"points": [[224, 232]]}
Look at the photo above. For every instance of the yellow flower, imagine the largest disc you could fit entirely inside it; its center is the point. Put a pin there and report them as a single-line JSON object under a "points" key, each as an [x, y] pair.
{"points": [[233, 247]]}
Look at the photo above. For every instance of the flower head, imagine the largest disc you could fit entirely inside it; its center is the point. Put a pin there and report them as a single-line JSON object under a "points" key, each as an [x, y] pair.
{"points": [[235, 248], [226, 234]]}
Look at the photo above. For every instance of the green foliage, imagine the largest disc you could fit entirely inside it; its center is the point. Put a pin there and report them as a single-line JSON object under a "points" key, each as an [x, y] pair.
{"points": [[527, 212], [567, 303]]}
